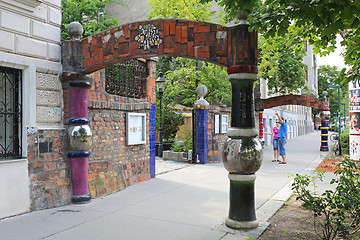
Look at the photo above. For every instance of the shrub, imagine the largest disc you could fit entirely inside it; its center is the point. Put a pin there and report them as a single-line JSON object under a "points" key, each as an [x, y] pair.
{"points": [[183, 146], [344, 141], [336, 211], [171, 121]]}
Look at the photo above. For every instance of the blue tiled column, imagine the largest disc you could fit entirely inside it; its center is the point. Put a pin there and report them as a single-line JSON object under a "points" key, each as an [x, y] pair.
{"points": [[202, 135], [152, 140]]}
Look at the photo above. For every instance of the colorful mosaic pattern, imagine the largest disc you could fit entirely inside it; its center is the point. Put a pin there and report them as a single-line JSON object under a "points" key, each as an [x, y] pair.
{"points": [[148, 37]]}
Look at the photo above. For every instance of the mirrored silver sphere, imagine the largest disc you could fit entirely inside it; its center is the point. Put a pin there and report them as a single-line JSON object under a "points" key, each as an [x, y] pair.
{"points": [[243, 156], [80, 138]]}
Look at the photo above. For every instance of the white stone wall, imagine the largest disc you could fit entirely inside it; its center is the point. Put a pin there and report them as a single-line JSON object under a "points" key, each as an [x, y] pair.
{"points": [[49, 99], [31, 31], [310, 61], [30, 42]]}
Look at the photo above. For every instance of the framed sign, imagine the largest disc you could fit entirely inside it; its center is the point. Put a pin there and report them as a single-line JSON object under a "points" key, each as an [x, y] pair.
{"points": [[135, 128], [217, 123]]}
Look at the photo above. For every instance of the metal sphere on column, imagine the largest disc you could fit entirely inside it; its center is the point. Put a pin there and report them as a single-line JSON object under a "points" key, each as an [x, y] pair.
{"points": [[79, 132], [242, 152], [160, 86]]}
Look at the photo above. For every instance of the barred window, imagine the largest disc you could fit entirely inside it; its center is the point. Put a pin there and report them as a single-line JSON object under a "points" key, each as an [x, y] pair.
{"points": [[127, 79], [10, 113]]}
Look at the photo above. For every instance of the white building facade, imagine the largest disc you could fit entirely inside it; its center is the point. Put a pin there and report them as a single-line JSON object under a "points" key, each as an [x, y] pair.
{"points": [[298, 118], [30, 91]]}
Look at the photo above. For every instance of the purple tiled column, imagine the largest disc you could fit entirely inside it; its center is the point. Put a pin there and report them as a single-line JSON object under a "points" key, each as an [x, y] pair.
{"points": [[79, 143], [79, 133]]}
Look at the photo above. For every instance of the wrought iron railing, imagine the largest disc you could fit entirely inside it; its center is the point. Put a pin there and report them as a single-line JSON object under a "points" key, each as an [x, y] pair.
{"points": [[10, 113], [127, 79]]}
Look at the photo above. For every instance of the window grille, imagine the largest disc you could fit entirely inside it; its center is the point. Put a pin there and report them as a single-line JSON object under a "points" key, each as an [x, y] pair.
{"points": [[127, 79], [10, 113]]}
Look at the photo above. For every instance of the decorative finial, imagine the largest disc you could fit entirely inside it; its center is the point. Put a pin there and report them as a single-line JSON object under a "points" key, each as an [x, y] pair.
{"points": [[324, 93], [201, 90], [75, 30], [242, 17]]}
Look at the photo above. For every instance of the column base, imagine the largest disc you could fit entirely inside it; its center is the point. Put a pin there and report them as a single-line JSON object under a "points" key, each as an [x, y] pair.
{"points": [[81, 199], [241, 225]]}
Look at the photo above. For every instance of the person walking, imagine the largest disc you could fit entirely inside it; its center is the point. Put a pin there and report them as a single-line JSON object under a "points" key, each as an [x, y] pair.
{"points": [[275, 132], [282, 138]]}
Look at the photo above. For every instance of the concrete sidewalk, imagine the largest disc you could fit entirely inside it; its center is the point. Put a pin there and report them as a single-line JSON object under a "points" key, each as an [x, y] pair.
{"points": [[190, 202]]}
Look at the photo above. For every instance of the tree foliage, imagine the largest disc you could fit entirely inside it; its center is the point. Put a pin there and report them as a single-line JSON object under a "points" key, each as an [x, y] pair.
{"points": [[90, 13], [281, 65], [182, 74], [332, 75], [184, 9], [181, 83], [318, 21]]}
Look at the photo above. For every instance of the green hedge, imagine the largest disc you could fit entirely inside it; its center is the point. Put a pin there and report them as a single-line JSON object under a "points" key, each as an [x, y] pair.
{"points": [[344, 141]]}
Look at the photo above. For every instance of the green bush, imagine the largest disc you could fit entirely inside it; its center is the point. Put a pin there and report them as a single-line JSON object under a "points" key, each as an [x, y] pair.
{"points": [[344, 141], [172, 120], [336, 211], [183, 146]]}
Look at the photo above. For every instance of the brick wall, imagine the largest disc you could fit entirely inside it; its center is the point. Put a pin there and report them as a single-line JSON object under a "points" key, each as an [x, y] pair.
{"points": [[49, 170], [216, 141], [113, 165]]}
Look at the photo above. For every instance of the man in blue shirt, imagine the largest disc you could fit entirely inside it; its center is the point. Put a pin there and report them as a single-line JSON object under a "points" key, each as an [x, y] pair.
{"points": [[282, 138]]}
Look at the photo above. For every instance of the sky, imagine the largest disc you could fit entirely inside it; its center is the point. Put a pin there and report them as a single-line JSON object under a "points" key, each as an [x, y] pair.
{"points": [[333, 59]]}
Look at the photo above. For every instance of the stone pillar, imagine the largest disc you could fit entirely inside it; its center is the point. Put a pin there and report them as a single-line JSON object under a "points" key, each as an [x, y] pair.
{"points": [[79, 132], [201, 124], [242, 152]]}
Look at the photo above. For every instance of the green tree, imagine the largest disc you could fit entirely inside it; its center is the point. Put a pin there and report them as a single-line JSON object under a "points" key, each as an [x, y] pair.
{"points": [[332, 75], [90, 13], [181, 83], [317, 21], [281, 65], [184, 9], [182, 74]]}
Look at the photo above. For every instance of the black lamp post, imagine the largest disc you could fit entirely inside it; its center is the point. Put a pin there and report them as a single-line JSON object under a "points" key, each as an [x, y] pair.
{"points": [[339, 111], [160, 86]]}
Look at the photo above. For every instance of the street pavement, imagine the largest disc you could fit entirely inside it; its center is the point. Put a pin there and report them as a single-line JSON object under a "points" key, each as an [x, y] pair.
{"points": [[184, 201]]}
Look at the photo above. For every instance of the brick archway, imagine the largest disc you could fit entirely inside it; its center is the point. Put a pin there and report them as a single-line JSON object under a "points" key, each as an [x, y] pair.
{"points": [[232, 47], [317, 103], [225, 46]]}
